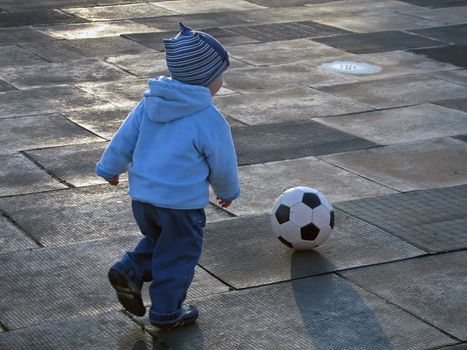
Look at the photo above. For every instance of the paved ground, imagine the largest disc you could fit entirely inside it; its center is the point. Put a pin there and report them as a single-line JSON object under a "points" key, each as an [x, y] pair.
{"points": [[389, 149]]}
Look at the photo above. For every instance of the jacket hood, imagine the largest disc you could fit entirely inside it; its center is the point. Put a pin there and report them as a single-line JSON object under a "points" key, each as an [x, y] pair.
{"points": [[168, 99]]}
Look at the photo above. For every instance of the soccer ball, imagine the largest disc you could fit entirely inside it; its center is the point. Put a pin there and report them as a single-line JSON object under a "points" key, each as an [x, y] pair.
{"points": [[302, 218]]}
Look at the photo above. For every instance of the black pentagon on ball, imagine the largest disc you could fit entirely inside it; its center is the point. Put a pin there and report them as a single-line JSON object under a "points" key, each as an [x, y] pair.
{"points": [[282, 214], [309, 232], [312, 200], [331, 223], [286, 242]]}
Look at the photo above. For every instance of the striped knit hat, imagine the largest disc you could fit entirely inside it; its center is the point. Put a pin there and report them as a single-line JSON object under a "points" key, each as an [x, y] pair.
{"points": [[195, 57]]}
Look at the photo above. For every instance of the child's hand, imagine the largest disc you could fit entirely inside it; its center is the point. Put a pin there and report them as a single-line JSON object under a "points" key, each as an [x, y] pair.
{"points": [[113, 180], [223, 203]]}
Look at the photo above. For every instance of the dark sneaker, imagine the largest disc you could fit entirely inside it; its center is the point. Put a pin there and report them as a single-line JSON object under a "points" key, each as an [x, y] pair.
{"points": [[189, 315], [129, 295]]}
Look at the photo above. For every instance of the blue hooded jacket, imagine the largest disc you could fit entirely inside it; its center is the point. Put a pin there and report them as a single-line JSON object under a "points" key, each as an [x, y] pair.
{"points": [[173, 144]]}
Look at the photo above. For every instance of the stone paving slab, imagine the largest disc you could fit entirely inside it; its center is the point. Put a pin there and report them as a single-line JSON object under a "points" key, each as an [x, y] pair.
{"points": [[19, 175], [262, 183], [409, 166], [456, 34], [103, 121], [206, 6], [35, 17], [117, 12], [40, 100], [244, 252], [12, 239], [145, 65], [378, 22], [378, 42], [61, 73], [457, 76], [455, 103], [281, 141], [94, 29], [401, 125], [324, 312], [453, 54], [283, 52], [53, 50], [431, 288], [393, 63], [24, 133], [16, 56], [280, 77], [398, 91], [286, 105], [110, 330], [447, 15], [13, 36], [80, 214], [69, 282], [408, 216], [437, 3], [4, 86]]}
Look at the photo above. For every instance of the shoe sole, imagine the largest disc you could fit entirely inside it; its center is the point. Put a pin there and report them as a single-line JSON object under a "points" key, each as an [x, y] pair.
{"points": [[130, 298]]}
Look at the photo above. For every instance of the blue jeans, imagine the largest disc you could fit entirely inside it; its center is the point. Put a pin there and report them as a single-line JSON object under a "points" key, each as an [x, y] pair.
{"points": [[167, 254]]}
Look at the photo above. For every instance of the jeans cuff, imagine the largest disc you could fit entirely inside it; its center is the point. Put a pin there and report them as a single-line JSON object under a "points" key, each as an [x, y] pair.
{"points": [[159, 318], [129, 272]]}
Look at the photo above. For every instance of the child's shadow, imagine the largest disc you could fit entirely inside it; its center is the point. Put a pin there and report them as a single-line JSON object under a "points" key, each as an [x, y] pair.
{"points": [[334, 314]]}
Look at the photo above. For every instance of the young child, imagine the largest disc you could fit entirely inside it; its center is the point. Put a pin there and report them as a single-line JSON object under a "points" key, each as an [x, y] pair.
{"points": [[174, 143]]}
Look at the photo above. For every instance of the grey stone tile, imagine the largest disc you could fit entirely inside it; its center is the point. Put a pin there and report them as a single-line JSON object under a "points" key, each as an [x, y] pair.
{"points": [[13, 36], [285, 105], [4, 86], [280, 77], [198, 21], [283, 52], [379, 21], [61, 73], [456, 34], [16, 56], [109, 330], [401, 125], [24, 133], [431, 288], [279, 3], [116, 12], [454, 54], [272, 178], [398, 91], [19, 175], [143, 65], [286, 31], [437, 3], [458, 76], [434, 220], [244, 252], [123, 94], [94, 29], [273, 142], [54, 50], [378, 42], [410, 166], [12, 239], [446, 15], [461, 137], [13, 5], [206, 6], [108, 46], [42, 100], [393, 63], [103, 121], [324, 312], [35, 17], [455, 103], [81, 214], [65, 283]]}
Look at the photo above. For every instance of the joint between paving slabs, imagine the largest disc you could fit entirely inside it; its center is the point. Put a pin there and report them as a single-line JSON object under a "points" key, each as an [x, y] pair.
{"points": [[446, 43], [34, 53], [123, 69], [52, 175], [22, 230], [338, 273], [158, 342]]}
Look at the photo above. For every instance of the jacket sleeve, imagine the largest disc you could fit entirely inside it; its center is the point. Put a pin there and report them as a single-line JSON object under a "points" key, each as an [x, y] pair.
{"points": [[119, 152], [218, 148]]}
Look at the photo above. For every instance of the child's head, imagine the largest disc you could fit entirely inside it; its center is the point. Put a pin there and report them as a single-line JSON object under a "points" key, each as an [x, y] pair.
{"points": [[196, 58]]}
